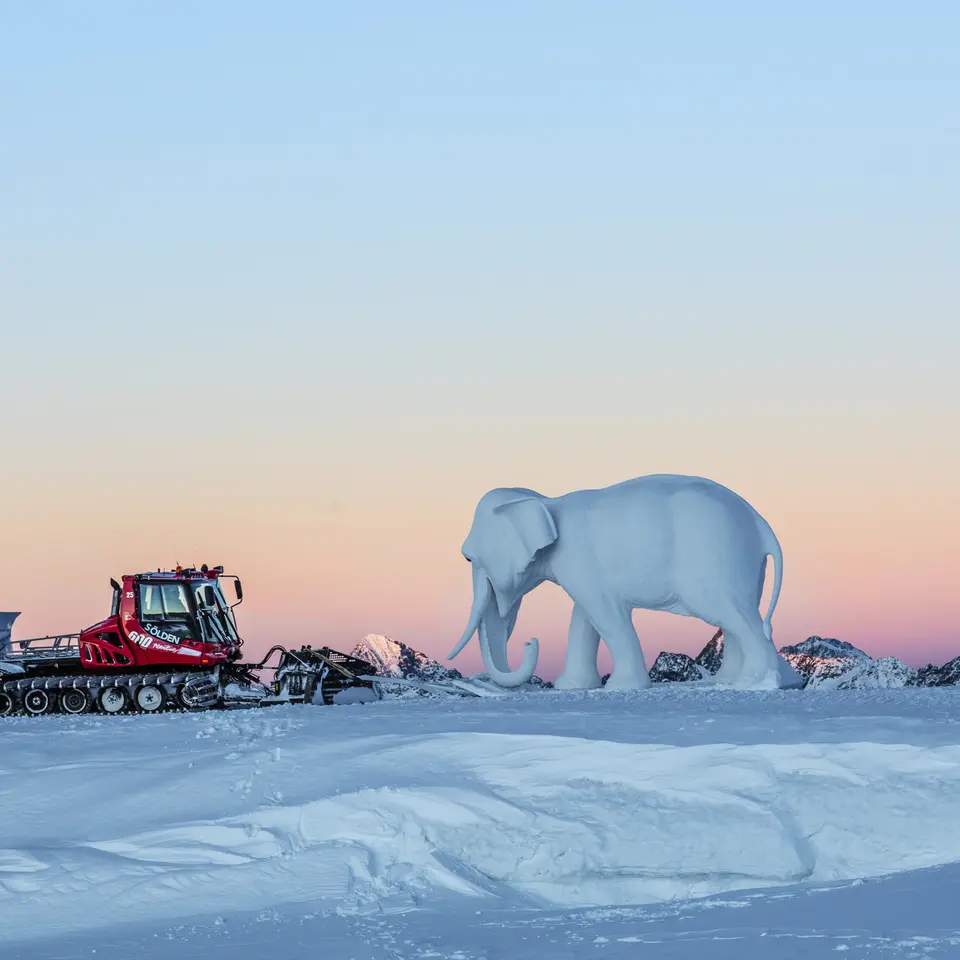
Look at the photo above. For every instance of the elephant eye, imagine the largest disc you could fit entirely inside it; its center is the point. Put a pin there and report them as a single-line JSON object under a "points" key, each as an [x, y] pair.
{"points": [[465, 557]]}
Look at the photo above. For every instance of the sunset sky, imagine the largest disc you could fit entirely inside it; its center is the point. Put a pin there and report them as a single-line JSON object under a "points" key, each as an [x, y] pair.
{"points": [[288, 286]]}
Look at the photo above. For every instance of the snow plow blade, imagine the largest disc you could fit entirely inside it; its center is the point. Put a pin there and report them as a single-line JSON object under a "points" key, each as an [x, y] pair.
{"points": [[308, 675]]}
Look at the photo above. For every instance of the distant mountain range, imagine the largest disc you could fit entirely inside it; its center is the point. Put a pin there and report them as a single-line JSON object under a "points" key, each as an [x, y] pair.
{"points": [[825, 663]]}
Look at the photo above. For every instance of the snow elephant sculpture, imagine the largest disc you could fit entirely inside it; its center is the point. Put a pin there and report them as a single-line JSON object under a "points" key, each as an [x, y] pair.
{"points": [[682, 544]]}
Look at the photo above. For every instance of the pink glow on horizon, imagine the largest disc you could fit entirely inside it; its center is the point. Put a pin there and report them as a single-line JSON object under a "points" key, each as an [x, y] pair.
{"points": [[361, 533], [337, 584]]}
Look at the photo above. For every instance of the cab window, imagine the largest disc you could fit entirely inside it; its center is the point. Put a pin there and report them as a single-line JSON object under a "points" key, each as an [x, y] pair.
{"points": [[175, 600], [167, 606], [163, 600], [151, 604]]}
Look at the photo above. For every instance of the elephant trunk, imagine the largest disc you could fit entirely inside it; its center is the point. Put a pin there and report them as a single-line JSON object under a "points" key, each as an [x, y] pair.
{"points": [[495, 631]]}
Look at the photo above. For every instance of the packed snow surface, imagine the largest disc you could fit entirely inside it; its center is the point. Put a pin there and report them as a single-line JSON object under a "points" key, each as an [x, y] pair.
{"points": [[479, 828]]}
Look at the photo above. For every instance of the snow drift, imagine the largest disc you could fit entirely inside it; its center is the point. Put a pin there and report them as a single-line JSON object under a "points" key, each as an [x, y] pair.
{"points": [[399, 804]]}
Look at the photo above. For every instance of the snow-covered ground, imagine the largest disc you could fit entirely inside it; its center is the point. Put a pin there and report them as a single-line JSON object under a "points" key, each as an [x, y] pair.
{"points": [[542, 824]]}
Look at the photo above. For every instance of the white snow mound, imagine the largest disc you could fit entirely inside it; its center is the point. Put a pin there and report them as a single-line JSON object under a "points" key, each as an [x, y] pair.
{"points": [[390, 821]]}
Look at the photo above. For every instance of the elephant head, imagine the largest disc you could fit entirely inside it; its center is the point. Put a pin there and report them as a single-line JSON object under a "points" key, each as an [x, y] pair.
{"points": [[510, 527]]}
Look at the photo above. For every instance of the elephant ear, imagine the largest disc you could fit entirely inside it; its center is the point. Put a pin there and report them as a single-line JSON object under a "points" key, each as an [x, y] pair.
{"points": [[529, 527]]}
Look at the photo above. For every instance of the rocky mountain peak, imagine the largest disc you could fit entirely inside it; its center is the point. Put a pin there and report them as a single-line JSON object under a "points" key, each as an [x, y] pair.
{"points": [[391, 658], [710, 657], [825, 647]]}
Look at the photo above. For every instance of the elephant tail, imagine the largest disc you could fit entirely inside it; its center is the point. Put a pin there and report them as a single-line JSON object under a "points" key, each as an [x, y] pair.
{"points": [[771, 549]]}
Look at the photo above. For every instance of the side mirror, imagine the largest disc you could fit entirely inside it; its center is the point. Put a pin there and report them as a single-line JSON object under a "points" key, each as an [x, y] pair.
{"points": [[239, 588]]}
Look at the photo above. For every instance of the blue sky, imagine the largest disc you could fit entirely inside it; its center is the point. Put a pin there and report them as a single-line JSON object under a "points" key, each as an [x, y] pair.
{"points": [[410, 248]]}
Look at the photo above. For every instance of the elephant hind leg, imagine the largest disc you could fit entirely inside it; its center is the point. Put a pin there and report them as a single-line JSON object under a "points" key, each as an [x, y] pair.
{"points": [[583, 643], [749, 658], [731, 660]]}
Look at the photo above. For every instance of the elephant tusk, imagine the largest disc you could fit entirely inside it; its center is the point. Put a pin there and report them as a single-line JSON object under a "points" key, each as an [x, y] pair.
{"points": [[481, 597]]}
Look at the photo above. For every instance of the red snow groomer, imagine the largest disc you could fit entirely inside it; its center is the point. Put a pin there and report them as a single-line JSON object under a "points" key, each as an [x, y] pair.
{"points": [[171, 641]]}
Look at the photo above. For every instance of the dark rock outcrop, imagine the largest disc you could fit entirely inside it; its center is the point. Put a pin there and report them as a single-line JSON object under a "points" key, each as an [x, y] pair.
{"points": [[674, 668], [934, 676], [711, 655]]}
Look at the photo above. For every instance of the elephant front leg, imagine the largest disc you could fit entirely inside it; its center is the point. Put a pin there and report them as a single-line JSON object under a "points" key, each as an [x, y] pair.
{"points": [[616, 628], [583, 643]]}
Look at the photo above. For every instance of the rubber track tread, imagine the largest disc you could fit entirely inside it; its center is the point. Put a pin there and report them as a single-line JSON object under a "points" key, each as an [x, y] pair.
{"points": [[204, 685]]}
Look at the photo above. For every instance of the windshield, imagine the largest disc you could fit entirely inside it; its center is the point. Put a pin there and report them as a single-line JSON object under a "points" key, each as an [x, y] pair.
{"points": [[179, 611], [218, 619], [165, 611]]}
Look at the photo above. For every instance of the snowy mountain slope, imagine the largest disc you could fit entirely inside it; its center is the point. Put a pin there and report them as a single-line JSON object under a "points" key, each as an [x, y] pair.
{"points": [[540, 802], [825, 648], [395, 659], [836, 664], [816, 669], [867, 674]]}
